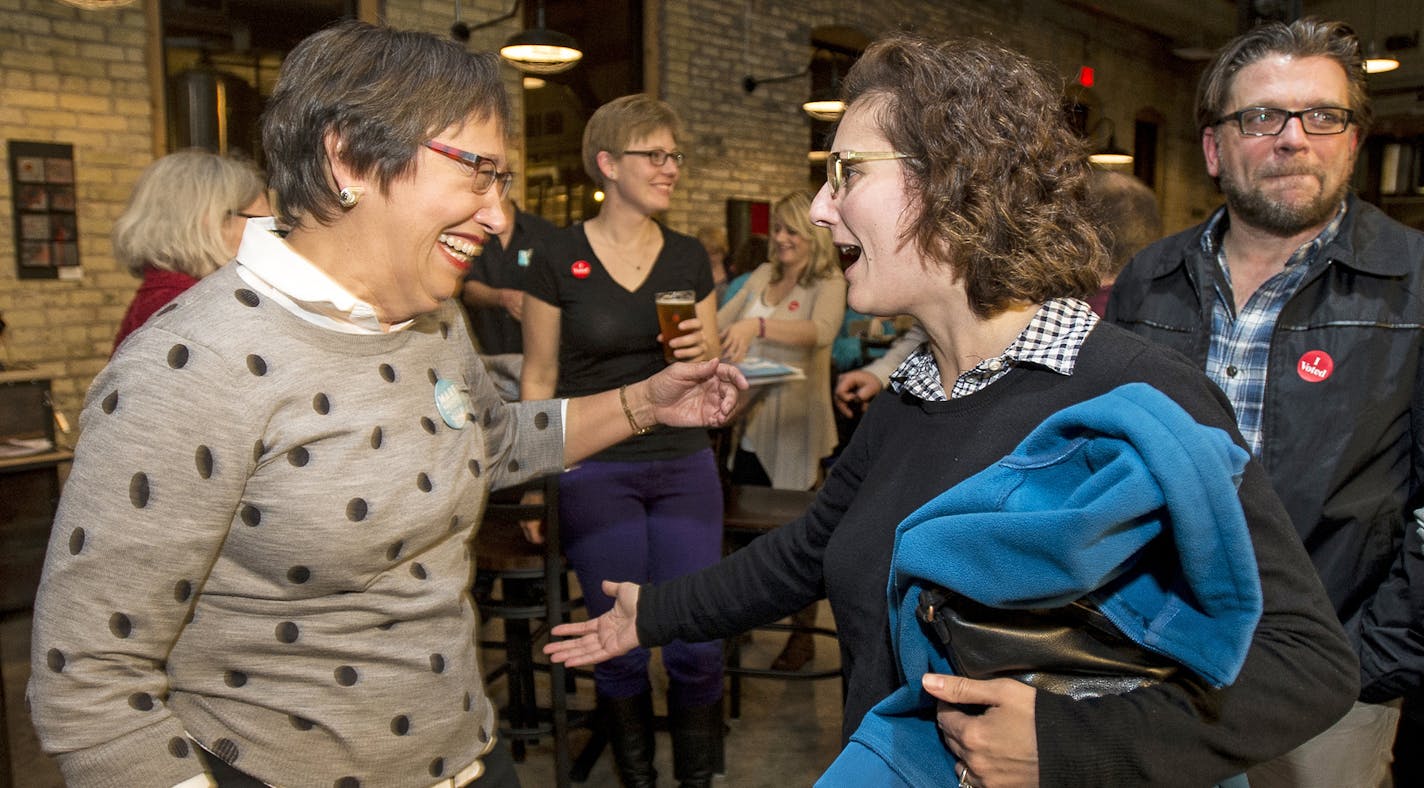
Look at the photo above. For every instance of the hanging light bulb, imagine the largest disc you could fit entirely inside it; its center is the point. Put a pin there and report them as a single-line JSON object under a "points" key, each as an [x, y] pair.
{"points": [[97, 5], [539, 50]]}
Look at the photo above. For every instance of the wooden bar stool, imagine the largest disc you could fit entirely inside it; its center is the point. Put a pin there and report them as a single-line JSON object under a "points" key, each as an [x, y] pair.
{"points": [[525, 585], [751, 511]]}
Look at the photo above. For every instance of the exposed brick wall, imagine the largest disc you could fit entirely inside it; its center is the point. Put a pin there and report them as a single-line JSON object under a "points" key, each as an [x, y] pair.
{"points": [[80, 77], [74, 77]]}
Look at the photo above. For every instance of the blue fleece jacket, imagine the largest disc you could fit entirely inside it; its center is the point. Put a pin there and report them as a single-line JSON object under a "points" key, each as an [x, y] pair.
{"points": [[1066, 515]]}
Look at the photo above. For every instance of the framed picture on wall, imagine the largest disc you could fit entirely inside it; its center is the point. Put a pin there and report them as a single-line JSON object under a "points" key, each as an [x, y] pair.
{"points": [[46, 225]]}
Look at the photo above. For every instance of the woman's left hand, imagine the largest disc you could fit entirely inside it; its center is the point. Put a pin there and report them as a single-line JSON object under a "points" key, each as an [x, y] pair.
{"points": [[737, 339], [998, 746], [700, 394], [691, 345]]}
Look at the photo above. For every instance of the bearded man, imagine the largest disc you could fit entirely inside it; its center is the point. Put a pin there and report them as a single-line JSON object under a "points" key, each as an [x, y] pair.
{"points": [[1306, 305]]}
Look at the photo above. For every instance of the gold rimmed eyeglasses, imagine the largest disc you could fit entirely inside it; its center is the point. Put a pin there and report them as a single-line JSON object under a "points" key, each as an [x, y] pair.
{"points": [[837, 160]]}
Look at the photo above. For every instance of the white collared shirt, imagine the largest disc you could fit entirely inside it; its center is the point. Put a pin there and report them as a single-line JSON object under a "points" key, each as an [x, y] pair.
{"points": [[275, 270]]}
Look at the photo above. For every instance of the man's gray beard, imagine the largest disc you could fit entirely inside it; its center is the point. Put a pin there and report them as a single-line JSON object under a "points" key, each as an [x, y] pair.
{"points": [[1253, 207]]}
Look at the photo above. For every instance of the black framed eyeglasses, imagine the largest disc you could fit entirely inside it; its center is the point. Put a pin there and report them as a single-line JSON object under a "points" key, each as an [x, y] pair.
{"points": [[1270, 121], [658, 156], [483, 172], [836, 162]]}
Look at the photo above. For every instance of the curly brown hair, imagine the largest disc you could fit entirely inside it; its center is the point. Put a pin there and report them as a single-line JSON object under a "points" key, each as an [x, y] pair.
{"points": [[998, 180]]}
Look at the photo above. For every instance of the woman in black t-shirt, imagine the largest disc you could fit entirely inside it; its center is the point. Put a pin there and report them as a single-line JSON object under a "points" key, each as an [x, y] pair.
{"points": [[649, 508]]}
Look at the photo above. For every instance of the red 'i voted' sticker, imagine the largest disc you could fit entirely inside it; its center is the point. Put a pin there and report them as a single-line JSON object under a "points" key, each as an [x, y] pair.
{"points": [[793, 306], [1315, 366], [581, 269]]}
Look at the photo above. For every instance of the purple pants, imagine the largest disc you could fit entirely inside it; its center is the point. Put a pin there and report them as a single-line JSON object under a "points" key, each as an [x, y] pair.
{"points": [[644, 522]]}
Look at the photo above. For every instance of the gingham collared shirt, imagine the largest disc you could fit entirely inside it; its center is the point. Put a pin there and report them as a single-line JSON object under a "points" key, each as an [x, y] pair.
{"points": [[1051, 339], [1240, 351]]}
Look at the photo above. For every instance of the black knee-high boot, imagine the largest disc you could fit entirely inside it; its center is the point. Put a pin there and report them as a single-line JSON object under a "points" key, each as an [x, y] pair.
{"points": [[630, 733], [696, 743]]}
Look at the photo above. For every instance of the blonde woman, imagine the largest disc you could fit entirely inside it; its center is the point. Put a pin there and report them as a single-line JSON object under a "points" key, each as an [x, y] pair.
{"points": [[789, 311], [183, 222]]}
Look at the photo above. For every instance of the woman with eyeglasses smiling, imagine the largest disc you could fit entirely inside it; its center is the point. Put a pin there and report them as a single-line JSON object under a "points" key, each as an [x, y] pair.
{"points": [[957, 194], [184, 221], [649, 508], [260, 569]]}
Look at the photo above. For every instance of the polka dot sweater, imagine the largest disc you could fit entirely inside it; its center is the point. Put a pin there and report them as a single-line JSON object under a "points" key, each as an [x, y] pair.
{"points": [[264, 545]]}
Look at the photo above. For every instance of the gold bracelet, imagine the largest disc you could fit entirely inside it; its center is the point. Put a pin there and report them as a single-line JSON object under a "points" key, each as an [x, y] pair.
{"points": [[627, 411]]}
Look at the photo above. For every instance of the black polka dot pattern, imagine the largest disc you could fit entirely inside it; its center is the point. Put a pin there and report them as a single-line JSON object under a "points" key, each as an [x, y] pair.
{"points": [[514, 466], [203, 459], [226, 749], [138, 490], [348, 782], [386, 444], [444, 330], [169, 307]]}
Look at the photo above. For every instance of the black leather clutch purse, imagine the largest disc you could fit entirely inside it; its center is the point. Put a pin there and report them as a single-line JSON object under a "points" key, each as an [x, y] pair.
{"points": [[1072, 650]]}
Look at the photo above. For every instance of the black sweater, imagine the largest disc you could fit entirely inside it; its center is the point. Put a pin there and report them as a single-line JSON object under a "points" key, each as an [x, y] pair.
{"points": [[1299, 677]]}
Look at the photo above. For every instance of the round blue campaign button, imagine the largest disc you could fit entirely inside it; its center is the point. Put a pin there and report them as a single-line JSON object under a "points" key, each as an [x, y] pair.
{"points": [[453, 403]]}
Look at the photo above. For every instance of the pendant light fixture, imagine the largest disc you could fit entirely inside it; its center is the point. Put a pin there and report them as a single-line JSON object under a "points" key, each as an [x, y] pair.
{"points": [[98, 5], [1109, 153], [537, 50], [1377, 62]]}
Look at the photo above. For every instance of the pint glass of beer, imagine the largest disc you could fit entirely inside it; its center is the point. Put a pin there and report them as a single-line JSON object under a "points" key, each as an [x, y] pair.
{"points": [[674, 306]]}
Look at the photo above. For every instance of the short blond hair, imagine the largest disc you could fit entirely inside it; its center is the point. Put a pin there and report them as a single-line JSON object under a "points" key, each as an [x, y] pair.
{"points": [[616, 124], [174, 218]]}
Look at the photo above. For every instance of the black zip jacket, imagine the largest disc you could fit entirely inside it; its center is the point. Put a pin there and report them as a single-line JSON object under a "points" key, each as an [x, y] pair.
{"points": [[1346, 452]]}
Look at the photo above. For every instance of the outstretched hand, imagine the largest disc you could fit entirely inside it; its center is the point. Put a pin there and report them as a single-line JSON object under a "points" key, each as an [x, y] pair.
{"points": [[989, 726], [610, 635], [700, 394]]}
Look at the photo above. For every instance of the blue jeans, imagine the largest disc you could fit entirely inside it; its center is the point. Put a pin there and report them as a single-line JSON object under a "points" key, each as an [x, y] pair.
{"points": [[645, 522]]}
